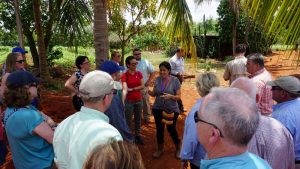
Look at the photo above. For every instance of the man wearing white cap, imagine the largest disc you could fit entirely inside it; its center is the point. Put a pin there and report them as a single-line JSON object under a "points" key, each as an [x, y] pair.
{"points": [[77, 135], [286, 92]]}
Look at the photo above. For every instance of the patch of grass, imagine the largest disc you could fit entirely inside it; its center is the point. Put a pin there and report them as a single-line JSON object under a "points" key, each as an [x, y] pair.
{"points": [[278, 47]]}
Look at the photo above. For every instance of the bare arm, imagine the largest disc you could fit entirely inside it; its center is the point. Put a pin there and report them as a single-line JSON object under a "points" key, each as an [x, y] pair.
{"points": [[150, 79], [70, 84], [44, 131], [124, 91], [140, 87], [3, 84]]}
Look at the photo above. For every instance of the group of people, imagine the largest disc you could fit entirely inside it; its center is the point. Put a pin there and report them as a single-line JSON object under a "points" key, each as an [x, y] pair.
{"points": [[233, 127], [239, 127]]}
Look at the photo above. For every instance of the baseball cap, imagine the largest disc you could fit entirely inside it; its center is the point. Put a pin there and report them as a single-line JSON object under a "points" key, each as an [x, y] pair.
{"points": [[19, 49], [21, 78], [288, 83], [110, 67], [97, 83]]}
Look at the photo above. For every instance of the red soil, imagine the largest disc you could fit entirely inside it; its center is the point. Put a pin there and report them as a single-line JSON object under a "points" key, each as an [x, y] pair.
{"points": [[59, 106]]}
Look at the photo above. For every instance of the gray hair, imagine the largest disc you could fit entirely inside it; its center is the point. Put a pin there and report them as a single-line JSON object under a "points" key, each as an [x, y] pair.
{"points": [[257, 58], [246, 85], [86, 98], [237, 113], [205, 82]]}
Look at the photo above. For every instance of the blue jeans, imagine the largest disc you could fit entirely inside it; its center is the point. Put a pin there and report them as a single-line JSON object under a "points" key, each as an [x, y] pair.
{"points": [[134, 108]]}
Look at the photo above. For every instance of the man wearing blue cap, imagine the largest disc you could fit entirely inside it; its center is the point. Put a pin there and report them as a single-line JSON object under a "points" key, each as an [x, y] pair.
{"points": [[116, 110], [16, 49]]}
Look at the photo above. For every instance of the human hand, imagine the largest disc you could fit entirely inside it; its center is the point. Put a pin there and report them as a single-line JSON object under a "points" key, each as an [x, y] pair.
{"points": [[166, 96], [184, 164], [129, 89]]}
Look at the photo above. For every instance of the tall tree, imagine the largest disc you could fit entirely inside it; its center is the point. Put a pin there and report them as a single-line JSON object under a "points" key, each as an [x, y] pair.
{"points": [[19, 23], [43, 67], [100, 31], [137, 10]]}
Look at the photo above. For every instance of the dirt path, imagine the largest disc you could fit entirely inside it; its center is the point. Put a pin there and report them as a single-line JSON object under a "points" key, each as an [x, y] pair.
{"points": [[59, 106]]}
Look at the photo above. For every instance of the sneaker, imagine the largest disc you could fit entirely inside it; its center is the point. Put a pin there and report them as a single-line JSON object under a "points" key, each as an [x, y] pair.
{"points": [[139, 140]]}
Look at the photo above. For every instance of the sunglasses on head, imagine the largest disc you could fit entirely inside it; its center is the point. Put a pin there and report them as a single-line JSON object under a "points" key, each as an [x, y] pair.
{"points": [[20, 61]]}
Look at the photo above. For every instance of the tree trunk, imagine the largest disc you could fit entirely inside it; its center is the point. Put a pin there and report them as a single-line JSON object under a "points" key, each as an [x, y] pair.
{"points": [[19, 23], [100, 31], [235, 9], [44, 71], [33, 50]]}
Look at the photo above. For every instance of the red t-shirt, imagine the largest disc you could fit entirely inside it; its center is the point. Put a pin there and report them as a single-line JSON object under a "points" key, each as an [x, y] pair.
{"points": [[133, 81]]}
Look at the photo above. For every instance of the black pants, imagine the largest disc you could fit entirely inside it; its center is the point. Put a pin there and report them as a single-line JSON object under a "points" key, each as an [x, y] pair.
{"points": [[193, 166], [160, 127]]}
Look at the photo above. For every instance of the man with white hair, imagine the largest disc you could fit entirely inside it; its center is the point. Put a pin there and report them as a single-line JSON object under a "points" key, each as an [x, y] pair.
{"points": [[286, 92], [225, 128], [77, 135], [271, 141]]}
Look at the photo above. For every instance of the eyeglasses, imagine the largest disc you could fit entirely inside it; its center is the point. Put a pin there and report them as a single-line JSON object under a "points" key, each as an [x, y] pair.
{"points": [[197, 119], [276, 88], [20, 61], [134, 63], [137, 54]]}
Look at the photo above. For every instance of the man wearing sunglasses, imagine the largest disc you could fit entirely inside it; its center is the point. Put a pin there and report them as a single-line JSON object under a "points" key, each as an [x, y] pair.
{"points": [[286, 92], [225, 127], [147, 70]]}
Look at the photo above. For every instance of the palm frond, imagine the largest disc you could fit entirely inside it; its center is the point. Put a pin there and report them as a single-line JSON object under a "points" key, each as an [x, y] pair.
{"points": [[177, 17], [279, 18]]}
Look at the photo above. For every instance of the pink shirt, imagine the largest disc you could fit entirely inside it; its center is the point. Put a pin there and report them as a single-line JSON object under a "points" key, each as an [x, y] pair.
{"points": [[260, 78]]}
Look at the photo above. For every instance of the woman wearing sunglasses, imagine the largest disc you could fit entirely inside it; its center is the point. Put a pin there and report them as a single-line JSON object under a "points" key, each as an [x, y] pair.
{"points": [[132, 82], [72, 84], [29, 136], [14, 61], [192, 151]]}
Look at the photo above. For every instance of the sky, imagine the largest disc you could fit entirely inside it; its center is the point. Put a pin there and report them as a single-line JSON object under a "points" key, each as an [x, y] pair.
{"points": [[207, 8]]}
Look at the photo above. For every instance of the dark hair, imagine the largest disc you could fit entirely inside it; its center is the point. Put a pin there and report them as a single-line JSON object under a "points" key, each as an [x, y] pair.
{"points": [[241, 48], [128, 59], [79, 60], [115, 155], [257, 58], [135, 50], [17, 97], [179, 50], [166, 65]]}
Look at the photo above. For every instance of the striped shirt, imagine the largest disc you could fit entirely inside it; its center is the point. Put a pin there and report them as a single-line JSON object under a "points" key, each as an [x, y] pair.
{"points": [[265, 102], [273, 142], [235, 69]]}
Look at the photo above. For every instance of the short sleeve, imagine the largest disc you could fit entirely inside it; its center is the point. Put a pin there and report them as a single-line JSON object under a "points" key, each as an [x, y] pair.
{"points": [[28, 118], [150, 67], [140, 75], [123, 77], [177, 84]]}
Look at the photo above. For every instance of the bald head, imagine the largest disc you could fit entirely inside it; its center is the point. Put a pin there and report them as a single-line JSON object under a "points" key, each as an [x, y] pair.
{"points": [[245, 84], [234, 111]]}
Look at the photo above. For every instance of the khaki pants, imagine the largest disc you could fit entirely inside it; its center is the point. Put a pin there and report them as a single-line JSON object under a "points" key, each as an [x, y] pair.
{"points": [[146, 105]]}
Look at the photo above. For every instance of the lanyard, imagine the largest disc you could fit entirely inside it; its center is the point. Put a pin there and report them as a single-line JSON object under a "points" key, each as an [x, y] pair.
{"points": [[164, 86]]}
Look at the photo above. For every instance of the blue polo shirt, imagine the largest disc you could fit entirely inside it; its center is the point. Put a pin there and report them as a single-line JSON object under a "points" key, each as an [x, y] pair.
{"points": [[28, 149], [245, 160]]}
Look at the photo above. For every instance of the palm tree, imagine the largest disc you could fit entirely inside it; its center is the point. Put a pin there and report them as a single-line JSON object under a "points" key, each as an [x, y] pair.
{"points": [[100, 31], [44, 72]]}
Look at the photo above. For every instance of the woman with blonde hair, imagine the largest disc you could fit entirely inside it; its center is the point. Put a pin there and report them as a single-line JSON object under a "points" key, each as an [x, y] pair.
{"points": [[191, 150], [115, 155]]}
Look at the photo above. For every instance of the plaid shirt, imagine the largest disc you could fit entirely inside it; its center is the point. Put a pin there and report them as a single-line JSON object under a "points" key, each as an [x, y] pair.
{"points": [[260, 78], [273, 142]]}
